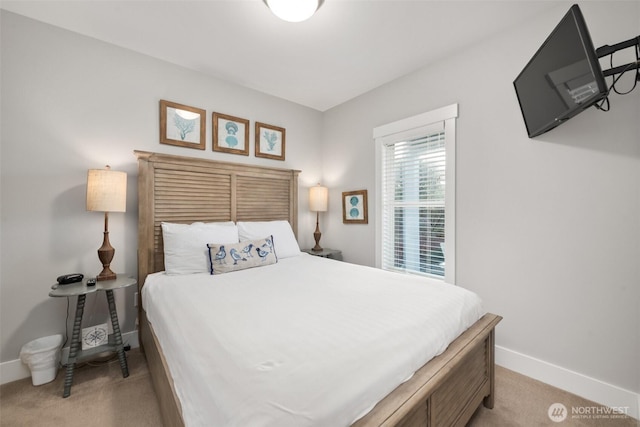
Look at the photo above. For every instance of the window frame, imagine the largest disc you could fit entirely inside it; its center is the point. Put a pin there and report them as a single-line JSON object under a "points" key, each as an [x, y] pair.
{"points": [[411, 128]]}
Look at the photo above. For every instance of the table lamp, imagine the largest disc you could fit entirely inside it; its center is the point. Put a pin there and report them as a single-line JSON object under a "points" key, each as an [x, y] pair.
{"points": [[318, 198], [106, 192]]}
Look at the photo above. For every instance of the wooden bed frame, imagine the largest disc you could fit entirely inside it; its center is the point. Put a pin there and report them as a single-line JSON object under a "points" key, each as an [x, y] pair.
{"points": [[444, 392]]}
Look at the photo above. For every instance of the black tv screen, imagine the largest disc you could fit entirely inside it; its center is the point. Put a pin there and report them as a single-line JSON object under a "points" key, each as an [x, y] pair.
{"points": [[563, 77]]}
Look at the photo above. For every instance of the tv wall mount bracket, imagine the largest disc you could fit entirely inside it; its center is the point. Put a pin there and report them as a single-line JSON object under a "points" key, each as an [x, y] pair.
{"points": [[608, 50]]}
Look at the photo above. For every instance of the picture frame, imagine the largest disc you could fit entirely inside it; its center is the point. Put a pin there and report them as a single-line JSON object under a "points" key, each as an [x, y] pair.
{"points": [[182, 125], [270, 141], [355, 207], [230, 134]]}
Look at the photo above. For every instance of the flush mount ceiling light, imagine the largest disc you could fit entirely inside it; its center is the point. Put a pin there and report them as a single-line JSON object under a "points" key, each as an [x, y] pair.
{"points": [[293, 10]]}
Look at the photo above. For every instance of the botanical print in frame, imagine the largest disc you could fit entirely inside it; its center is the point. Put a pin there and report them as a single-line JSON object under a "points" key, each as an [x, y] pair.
{"points": [[270, 141], [354, 207], [182, 125], [230, 134]]}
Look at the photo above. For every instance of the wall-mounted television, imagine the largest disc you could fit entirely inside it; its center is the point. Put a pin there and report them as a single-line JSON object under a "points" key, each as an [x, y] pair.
{"points": [[562, 79]]}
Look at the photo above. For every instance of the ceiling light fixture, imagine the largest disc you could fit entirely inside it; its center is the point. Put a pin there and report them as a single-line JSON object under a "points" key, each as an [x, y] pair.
{"points": [[293, 10]]}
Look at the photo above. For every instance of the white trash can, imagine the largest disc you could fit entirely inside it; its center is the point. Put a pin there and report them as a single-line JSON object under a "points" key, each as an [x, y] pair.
{"points": [[42, 356]]}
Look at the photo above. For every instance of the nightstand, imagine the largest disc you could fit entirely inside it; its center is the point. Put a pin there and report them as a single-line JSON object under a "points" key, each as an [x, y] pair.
{"points": [[326, 253], [114, 343]]}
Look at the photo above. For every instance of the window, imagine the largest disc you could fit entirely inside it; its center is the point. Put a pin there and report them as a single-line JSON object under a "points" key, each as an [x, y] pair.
{"points": [[415, 175]]}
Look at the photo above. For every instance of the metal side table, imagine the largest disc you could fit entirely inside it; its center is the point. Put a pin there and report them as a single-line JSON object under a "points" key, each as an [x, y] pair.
{"points": [[115, 344]]}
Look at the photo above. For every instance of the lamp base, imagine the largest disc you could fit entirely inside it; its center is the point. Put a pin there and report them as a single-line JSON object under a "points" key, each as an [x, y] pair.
{"points": [[317, 247], [106, 274], [106, 253], [317, 234]]}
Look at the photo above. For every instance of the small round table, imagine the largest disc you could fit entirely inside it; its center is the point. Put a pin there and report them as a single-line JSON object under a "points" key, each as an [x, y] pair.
{"points": [[80, 289]]}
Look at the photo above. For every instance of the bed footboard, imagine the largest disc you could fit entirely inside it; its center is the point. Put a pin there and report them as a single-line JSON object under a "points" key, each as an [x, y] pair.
{"points": [[447, 390]]}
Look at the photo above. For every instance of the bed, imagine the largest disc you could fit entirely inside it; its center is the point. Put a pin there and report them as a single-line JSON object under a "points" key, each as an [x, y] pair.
{"points": [[173, 189]]}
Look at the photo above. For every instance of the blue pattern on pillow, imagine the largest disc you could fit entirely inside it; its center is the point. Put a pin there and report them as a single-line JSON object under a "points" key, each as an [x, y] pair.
{"points": [[228, 257]]}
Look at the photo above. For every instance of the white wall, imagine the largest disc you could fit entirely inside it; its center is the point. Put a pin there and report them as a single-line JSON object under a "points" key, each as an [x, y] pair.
{"points": [[71, 103], [547, 228]]}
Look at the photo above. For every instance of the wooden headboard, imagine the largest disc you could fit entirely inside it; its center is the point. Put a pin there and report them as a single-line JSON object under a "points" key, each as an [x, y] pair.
{"points": [[184, 190]]}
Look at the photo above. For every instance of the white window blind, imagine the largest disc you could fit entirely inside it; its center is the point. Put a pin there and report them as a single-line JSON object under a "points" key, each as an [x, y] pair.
{"points": [[413, 199], [415, 193]]}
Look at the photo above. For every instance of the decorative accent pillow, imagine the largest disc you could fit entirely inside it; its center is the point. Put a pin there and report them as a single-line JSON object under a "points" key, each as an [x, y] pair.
{"points": [[283, 237], [184, 244], [238, 256]]}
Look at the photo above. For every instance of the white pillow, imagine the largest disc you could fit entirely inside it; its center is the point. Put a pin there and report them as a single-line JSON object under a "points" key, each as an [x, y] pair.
{"points": [[284, 240], [185, 245]]}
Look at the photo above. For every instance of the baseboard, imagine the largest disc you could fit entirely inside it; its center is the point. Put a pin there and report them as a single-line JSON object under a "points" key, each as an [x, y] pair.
{"points": [[573, 382], [14, 370]]}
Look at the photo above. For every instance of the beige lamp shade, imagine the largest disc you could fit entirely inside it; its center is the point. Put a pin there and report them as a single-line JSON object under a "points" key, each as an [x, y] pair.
{"points": [[106, 190], [318, 198]]}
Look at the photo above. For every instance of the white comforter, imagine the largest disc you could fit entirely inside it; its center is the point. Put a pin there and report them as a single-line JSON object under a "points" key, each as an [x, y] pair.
{"points": [[304, 342]]}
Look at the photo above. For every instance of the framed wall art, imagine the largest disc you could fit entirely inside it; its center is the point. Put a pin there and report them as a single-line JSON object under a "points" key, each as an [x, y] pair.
{"points": [[354, 207], [182, 125], [270, 141], [230, 134]]}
